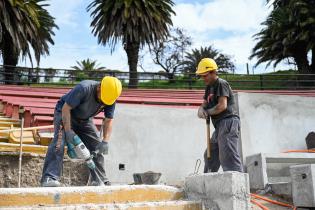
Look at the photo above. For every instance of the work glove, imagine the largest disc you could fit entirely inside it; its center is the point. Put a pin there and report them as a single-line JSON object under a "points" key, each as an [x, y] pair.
{"points": [[202, 113], [102, 148], [69, 135]]}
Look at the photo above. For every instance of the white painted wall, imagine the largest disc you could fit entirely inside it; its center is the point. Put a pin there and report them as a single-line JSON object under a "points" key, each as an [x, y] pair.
{"points": [[170, 140], [160, 139], [274, 123]]}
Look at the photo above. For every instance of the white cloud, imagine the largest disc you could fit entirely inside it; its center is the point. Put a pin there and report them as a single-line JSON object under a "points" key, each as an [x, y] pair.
{"points": [[65, 55], [67, 12], [236, 15], [226, 24]]}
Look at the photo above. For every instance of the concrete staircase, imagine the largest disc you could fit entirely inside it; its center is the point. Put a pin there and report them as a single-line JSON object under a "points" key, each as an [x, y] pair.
{"points": [[131, 197], [7, 123]]}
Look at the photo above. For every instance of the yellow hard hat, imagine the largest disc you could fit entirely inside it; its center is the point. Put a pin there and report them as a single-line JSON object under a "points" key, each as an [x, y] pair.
{"points": [[110, 90], [206, 65]]}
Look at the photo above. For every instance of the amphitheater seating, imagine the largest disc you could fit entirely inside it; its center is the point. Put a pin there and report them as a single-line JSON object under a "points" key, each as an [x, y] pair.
{"points": [[37, 105]]}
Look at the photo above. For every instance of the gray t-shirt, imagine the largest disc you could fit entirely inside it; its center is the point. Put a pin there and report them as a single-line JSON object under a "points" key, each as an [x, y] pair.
{"points": [[212, 94], [84, 101]]}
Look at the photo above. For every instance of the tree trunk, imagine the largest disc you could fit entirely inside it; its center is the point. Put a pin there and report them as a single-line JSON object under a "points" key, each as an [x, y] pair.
{"points": [[313, 61], [10, 60], [132, 50], [170, 77], [303, 68], [302, 61]]}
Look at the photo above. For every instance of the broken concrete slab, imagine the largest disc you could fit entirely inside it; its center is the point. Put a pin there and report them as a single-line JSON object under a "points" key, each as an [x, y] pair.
{"points": [[84, 195], [224, 190], [261, 167], [165, 205], [303, 185], [169, 205]]}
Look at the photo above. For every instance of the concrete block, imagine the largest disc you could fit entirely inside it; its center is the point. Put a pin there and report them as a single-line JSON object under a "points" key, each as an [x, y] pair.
{"points": [[218, 191], [13, 197], [264, 168], [282, 188], [257, 170], [303, 185], [164, 205]]}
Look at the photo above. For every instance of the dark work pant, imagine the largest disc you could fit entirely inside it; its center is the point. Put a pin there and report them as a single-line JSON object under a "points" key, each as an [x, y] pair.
{"points": [[224, 147], [88, 133]]}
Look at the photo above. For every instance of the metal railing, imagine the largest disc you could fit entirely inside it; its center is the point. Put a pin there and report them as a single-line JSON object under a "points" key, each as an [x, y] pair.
{"points": [[68, 77]]}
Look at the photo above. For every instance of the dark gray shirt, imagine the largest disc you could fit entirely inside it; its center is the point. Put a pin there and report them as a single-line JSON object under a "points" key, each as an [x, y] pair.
{"points": [[212, 94], [84, 101]]}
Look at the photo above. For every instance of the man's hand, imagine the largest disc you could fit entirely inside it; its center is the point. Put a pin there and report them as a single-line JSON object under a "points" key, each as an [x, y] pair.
{"points": [[102, 148], [69, 135], [202, 113]]}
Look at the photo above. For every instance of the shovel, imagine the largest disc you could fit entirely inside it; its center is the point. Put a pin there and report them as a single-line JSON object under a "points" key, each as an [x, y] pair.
{"points": [[208, 137]]}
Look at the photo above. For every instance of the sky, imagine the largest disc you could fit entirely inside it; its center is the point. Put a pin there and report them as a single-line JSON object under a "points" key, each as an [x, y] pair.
{"points": [[228, 25]]}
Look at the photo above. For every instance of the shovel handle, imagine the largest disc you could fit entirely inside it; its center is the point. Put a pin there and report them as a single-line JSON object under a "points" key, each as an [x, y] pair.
{"points": [[208, 137]]}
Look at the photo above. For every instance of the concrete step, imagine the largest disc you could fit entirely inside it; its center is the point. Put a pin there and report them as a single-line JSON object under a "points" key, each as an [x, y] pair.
{"points": [[282, 188], [4, 134], [7, 119], [164, 205], [28, 138], [36, 149], [19, 197], [8, 124], [4, 139], [262, 166]]}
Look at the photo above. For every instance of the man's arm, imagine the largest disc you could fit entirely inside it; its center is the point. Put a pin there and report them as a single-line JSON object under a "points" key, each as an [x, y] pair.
{"points": [[107, 129], [220, 107], [66, 117]]}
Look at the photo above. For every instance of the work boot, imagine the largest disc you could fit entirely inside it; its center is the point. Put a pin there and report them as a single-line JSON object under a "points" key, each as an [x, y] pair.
{"points": [[96, 183], [107, 183], [50, 182]]}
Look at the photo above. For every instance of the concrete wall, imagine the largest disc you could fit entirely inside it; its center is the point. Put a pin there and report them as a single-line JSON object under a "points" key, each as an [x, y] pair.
{"points": [[170, 140], [274, 123], [161, 139]]}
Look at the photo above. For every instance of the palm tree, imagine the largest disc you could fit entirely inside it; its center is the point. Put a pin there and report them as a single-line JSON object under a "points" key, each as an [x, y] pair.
{"points": [[193, 58], [288, 33], [134, 22], [88, 67], [25, 26]]}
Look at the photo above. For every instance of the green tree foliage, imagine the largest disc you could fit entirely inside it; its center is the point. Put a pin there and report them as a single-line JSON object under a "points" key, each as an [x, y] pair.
{"points": [[25, 26], [133, 22], [288, 33], [192, 59], [87, 69]]}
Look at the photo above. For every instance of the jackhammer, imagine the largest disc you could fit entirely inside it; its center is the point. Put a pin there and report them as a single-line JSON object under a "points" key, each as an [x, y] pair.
{"points": [[78, 150]]}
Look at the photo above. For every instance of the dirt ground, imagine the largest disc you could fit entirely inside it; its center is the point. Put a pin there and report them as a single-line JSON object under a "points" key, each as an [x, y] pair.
{"points": [[75, 173]]}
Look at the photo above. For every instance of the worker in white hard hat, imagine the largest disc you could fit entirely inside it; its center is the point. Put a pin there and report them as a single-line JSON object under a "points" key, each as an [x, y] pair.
{"points": [[73, 116], [219, 104]]}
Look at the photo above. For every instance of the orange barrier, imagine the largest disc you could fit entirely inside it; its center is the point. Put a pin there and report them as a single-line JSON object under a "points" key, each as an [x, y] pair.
{"points": [[259, 204], [300, 151], [272, 201]]}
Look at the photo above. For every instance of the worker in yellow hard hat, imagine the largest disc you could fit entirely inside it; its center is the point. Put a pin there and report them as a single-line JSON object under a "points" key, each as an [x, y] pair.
{"points": [[219, 105], [73, 116]]}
